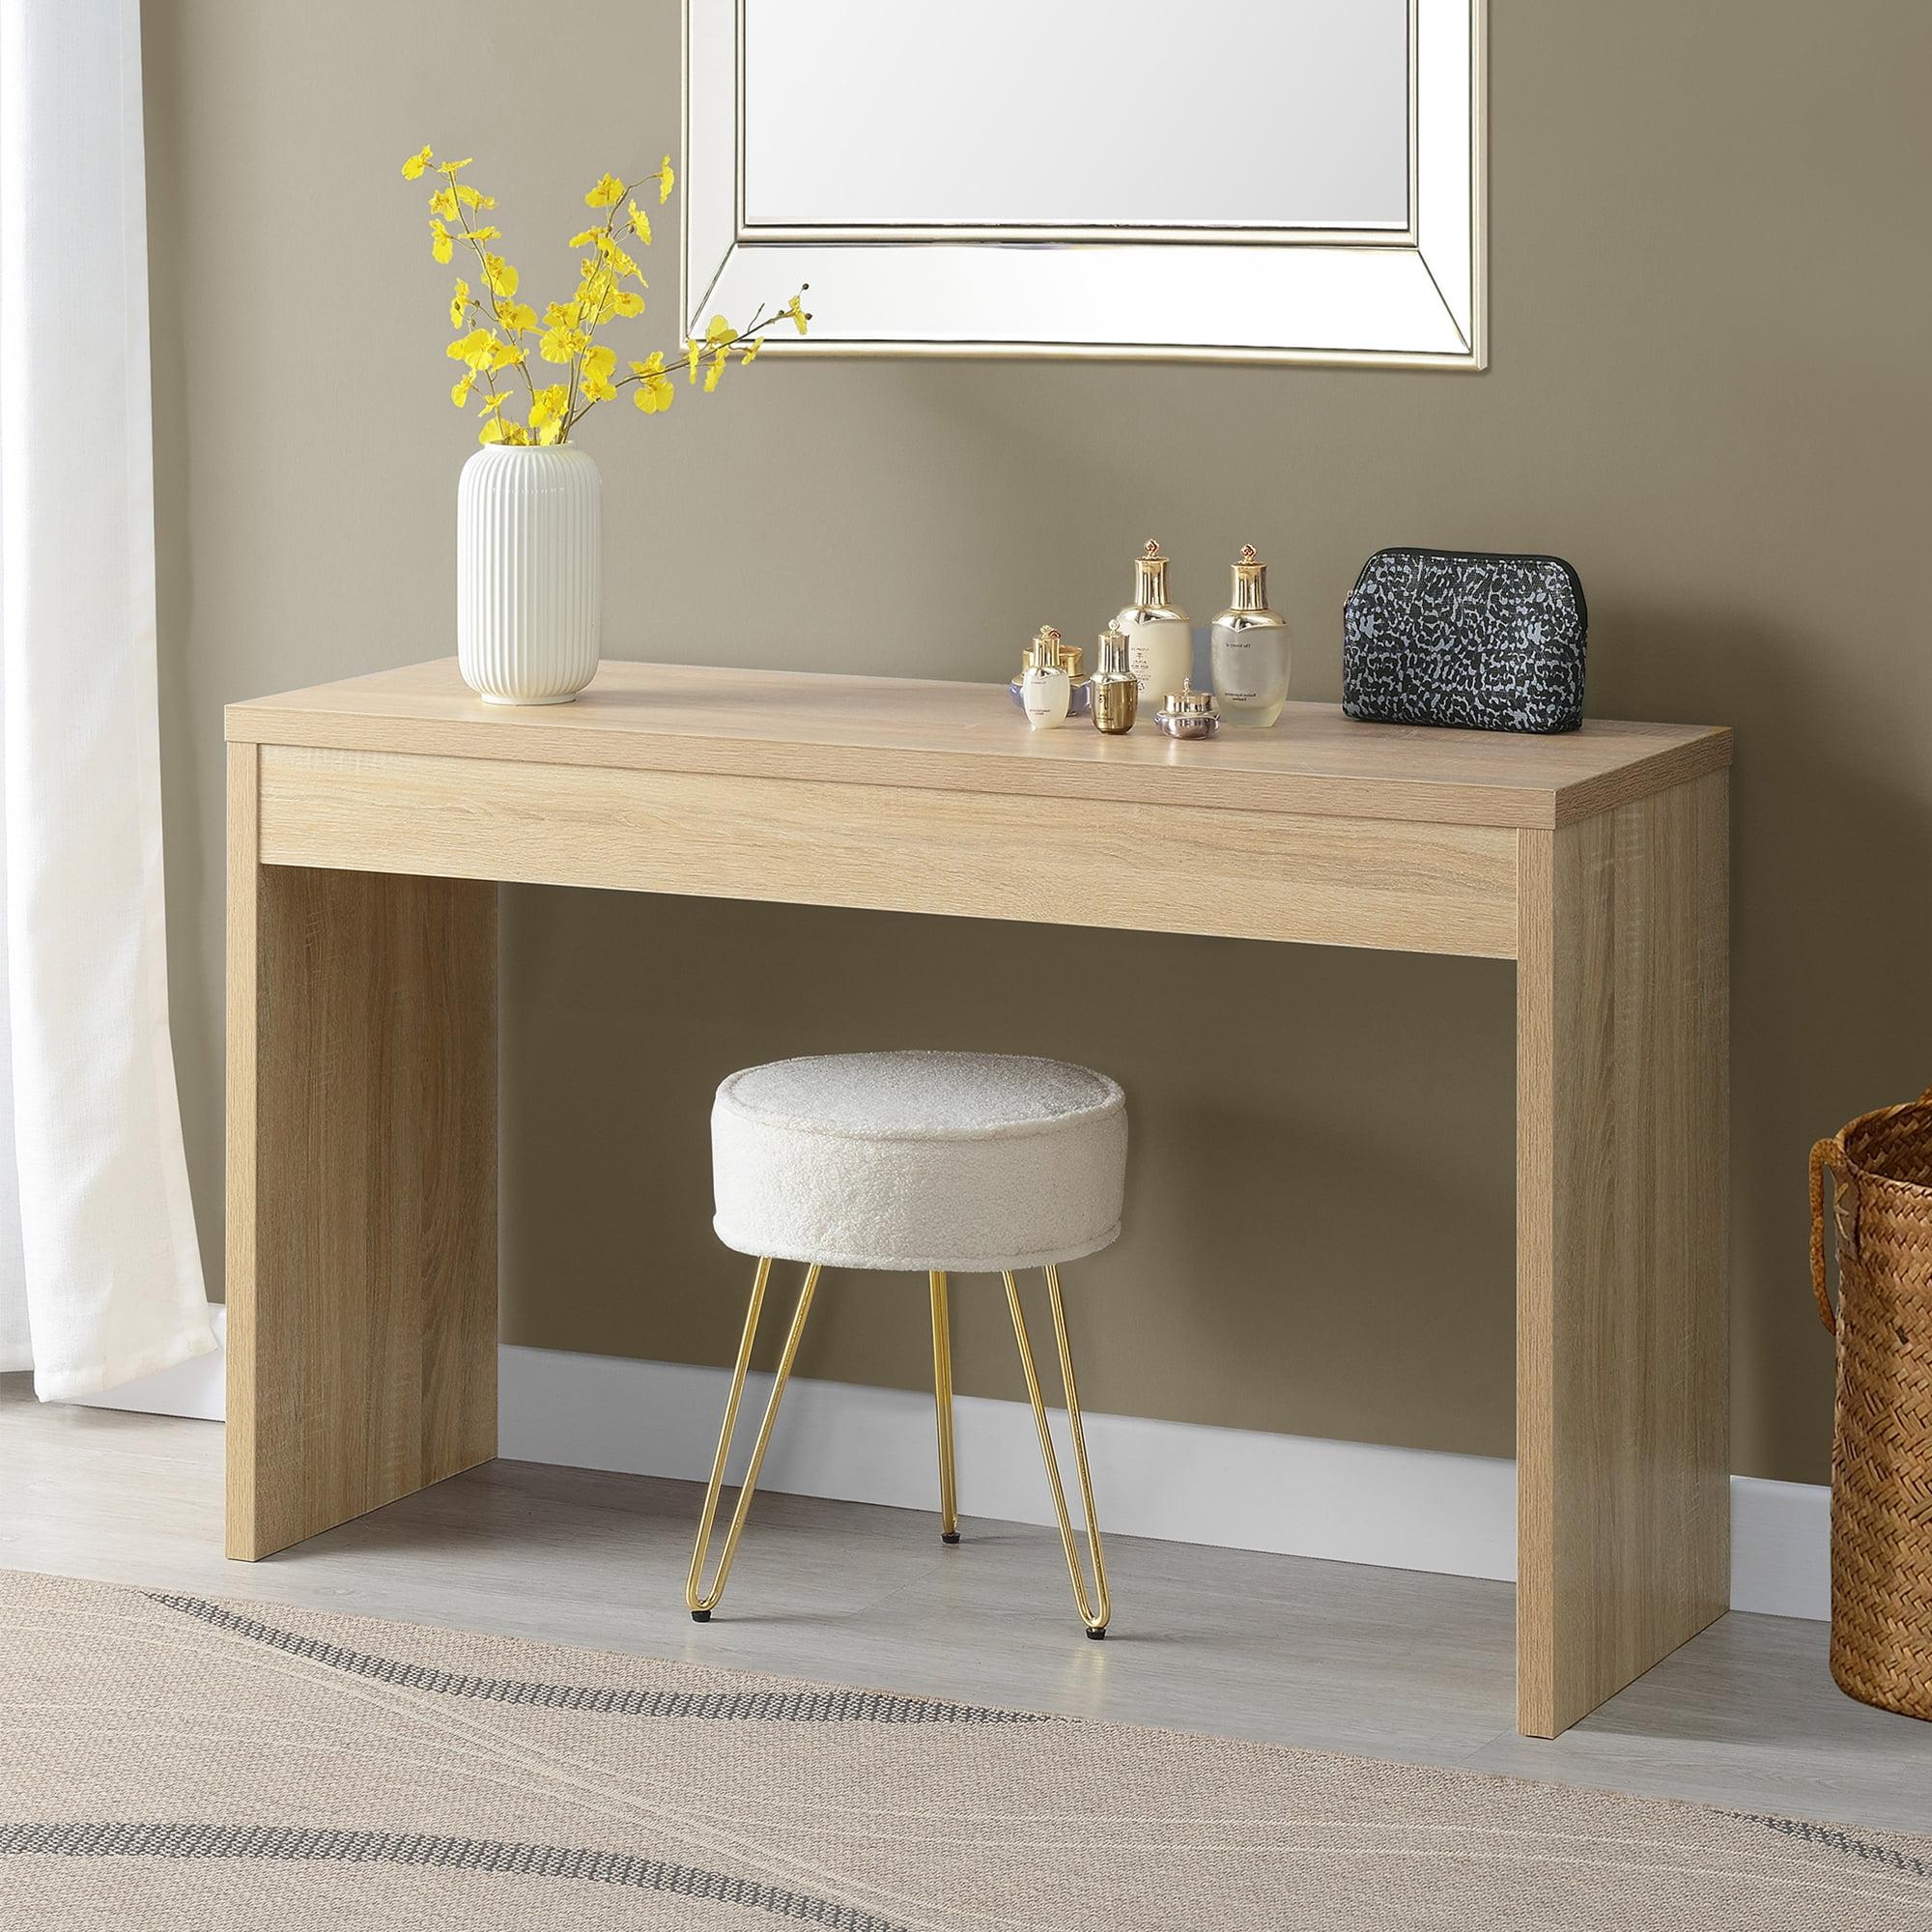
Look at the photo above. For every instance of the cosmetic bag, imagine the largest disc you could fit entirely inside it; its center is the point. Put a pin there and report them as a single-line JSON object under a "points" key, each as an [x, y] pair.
{"points": [[1491, 642]]}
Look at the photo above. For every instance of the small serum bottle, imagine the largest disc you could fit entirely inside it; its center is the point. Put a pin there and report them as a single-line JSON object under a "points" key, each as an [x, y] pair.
{"points": [[1116, 692], [1248, 649], [1046, 689], [1160, 646]]}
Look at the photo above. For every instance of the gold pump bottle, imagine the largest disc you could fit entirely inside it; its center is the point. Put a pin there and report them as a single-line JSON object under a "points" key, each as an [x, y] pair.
{"points": [[1248, 649]]}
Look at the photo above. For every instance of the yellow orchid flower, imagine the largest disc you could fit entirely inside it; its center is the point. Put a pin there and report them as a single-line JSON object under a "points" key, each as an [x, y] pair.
{"points": [[562, 344], [653, 387], [492, 327], [595, 369], [594, 298], [615, 259]]}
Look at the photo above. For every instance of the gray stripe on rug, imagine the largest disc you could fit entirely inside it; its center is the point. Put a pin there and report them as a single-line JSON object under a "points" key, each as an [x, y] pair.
{"points": [[811, 1705], [1841, 1841], [298, 1843]]}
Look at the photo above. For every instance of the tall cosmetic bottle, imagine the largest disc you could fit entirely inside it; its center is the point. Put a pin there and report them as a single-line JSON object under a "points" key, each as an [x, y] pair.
{"points": [[1160, 646], [1248, 648]]}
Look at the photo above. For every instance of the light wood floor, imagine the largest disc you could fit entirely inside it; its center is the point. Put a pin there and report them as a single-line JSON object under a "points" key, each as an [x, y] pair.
{"points": [[1384, 1662]]}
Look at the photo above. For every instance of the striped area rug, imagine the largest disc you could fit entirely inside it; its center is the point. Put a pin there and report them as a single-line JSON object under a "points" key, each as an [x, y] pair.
{"points": [[171, 1762]]}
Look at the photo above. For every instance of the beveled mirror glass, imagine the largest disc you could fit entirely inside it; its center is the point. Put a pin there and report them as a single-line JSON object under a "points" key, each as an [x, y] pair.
{"points": [[1240, 179]]}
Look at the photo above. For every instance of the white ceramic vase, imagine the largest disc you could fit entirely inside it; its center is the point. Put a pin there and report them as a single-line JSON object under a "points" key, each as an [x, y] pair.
{"points": [[529, 572]]}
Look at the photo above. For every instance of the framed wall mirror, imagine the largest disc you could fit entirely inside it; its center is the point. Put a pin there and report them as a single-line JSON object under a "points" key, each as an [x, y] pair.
{"points": [[1230, 179]]}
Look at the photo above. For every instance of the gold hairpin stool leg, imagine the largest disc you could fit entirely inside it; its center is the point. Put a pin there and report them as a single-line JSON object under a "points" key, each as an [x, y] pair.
{"points": [[1096, 1609], [942, 1403], [696, 1600]]}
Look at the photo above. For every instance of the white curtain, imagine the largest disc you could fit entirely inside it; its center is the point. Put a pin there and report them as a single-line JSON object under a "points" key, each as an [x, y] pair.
{"points": [[100, 1276]]}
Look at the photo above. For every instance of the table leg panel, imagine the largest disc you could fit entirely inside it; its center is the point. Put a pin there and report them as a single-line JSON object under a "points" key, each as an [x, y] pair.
{"points": [[362, 1187], [1622, 1326]]}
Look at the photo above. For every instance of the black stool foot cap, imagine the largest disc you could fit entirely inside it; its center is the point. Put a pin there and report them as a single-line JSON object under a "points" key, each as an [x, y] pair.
{"points": [[1097, 1635], [700, 1616], [949, 1536]]}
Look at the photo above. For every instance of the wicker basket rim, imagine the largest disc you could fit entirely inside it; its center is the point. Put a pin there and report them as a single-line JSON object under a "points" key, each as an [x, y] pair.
{"points": [[1851, 1132]]}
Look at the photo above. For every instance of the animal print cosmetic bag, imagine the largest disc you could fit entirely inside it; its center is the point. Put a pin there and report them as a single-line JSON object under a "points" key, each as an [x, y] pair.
{"points": [[1444, 637]]}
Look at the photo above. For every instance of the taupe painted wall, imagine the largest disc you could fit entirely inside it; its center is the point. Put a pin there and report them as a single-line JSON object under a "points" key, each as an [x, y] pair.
{"points": [[1709, 389]]}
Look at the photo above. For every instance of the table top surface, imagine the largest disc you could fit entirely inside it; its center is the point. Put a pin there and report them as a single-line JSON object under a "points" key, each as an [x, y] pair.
{"points": [[929, 733]]}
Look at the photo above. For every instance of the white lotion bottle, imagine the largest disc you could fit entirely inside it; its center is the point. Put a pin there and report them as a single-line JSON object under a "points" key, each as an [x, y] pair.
{"points": [[1046, 689], [1160, 646], [1248, 649]]}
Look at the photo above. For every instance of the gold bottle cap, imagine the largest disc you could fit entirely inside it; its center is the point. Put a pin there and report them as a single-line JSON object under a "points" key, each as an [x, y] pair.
{"points": [[1150, 575], [1112, 644], [1070, 659], [1187, 703], [1251, 580], [1043, 651]]}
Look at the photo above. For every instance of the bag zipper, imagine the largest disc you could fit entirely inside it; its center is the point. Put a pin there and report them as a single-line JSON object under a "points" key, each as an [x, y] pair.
{"points": [[1488, 556]]}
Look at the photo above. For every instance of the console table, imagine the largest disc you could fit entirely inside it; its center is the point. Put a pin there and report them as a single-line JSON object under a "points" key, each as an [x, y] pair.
{"points": [[369, 822]]}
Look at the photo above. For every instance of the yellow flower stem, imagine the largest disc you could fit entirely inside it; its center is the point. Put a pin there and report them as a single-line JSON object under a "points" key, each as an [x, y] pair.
{"points": [[483, 270], [572, 414], [757, 327]]}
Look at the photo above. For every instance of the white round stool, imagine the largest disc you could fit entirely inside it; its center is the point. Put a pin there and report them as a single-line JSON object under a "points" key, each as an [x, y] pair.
{"points": [[940, 1163]]}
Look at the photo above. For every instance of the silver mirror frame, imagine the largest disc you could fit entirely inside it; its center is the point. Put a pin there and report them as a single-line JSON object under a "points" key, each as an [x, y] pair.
{"points": [[1408, 298]]}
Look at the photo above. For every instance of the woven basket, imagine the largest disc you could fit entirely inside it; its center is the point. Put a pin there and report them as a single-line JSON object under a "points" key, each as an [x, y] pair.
{"points": [[1881, 1167]]}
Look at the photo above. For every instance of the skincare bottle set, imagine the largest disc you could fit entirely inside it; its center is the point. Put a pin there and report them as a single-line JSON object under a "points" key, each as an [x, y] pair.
{"points": [[1146, 658]]}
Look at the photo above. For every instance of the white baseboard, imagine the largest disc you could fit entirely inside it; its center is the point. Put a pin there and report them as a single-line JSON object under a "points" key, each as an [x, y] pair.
{"points": [[195, 1388], [1353, 1502]]}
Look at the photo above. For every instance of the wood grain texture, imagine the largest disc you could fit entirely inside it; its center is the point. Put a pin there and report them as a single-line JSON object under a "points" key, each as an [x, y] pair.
{"points": [[1163, 868], [926, 734], [361, 1186], [1622, 1311], [370, 819]]}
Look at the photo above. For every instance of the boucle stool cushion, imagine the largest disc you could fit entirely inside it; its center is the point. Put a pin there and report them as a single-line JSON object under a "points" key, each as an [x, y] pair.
{"points": [[970, 1162]]}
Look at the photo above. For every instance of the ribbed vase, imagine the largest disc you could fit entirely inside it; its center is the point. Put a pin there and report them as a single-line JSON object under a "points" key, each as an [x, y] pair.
{"points": [[529, 572]]}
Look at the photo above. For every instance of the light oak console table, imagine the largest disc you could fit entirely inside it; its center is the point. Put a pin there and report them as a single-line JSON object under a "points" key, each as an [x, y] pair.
{"points": [[369, 822]]}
